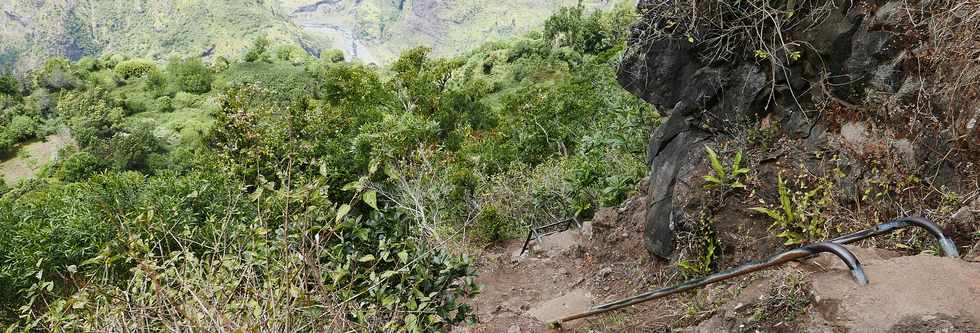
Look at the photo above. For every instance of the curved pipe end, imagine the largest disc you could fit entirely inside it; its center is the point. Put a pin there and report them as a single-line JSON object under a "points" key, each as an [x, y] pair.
{"points": [[949, 248], [845, 255], [947, 244], [859, 276]]}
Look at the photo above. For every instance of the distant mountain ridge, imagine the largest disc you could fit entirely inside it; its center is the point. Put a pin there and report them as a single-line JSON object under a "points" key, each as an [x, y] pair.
{"points": [[371, 30]]}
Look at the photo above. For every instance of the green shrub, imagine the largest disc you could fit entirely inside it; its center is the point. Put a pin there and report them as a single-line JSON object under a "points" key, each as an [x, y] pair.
{"points": [[9, 85], [332, 56], [220, 64], [164, 104], [55, 74], [110, 60], [353, 87], [138, 102], [394, 136], [128, 150], [88, 64], [135, 68], [21, 128], [41, 102], [488, 227], [292, 54], [591, 34], [191, 75], [79, 166], [258, 51], [183, 100], [89, 115]]}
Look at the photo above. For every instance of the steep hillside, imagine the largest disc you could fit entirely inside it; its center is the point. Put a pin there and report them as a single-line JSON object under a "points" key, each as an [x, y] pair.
{"points": [[298, 193], [388, 27], [33, 30], [373, 30]]}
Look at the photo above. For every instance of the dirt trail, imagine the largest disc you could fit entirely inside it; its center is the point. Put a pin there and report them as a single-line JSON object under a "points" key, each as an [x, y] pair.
{"points": [[604, 261], [31, 157], [566, 273]]}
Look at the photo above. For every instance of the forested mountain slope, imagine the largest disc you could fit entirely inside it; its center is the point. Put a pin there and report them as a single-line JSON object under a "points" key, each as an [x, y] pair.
{"points": [[33, 30], [388, 27], [287, 192]]}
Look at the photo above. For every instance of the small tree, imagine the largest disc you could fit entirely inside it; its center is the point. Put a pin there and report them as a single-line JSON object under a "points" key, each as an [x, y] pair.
{"points": [[258, 50], [192, 75], [9, 84], [135, 68]]}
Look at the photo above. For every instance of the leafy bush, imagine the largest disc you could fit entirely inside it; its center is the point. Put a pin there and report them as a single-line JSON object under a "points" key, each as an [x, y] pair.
{"points": [[183, 100], [164, 104], [55, 74], [292, 54], [110, 60], [20, 128], [135, 68], [89, 115], [394, 136], [128, 150], [88, 63], [332, 56], [9, 85], [191, 75], [258, 51], [79, 166], [488, 227], [584, 33], [353, 87]]}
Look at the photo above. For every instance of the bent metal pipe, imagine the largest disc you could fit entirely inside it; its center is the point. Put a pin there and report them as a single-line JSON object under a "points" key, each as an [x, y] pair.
{"points": [[834, 246], [806, 251], [949, 248]]}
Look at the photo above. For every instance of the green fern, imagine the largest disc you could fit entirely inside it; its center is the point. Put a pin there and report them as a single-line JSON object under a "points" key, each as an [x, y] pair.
{"points": [[798, 217], [725, 177]]}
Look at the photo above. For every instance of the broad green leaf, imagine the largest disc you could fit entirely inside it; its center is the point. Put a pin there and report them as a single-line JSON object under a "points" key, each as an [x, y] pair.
{"points": [[388, 301], [736, 165], [342, 212], [390, 171], [771, 213], [411, 322], [371, 198], [784, 200], [351, 186], [403, 256], [712, 179], [366, 258]]}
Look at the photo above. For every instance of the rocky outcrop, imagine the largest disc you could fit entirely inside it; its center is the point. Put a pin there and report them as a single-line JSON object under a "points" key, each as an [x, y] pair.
{"points": [[863, 59]]}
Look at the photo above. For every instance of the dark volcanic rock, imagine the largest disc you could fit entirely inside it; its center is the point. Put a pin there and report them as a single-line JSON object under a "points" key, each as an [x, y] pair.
{"points": [[855, 49]]}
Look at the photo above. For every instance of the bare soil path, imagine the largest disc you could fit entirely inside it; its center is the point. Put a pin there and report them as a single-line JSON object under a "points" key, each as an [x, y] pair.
{"points": [[31, 157], [569, 272]]}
